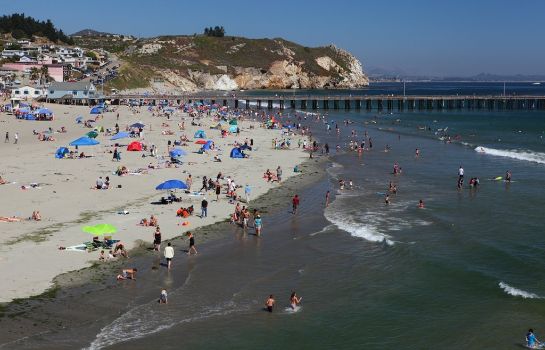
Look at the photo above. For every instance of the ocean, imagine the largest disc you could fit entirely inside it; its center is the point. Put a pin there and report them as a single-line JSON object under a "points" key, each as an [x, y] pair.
{"points": [[465, 272]]}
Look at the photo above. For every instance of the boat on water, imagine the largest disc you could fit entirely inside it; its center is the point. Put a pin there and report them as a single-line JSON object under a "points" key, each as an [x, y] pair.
{"points": [[536, 83]]}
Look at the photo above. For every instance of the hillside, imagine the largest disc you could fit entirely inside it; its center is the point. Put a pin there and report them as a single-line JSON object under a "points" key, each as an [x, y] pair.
{"points": [[190, 63], [90, 32]]}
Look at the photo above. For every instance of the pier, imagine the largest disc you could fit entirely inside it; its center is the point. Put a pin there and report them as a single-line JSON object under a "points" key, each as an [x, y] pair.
{"points": [[347, 102]]}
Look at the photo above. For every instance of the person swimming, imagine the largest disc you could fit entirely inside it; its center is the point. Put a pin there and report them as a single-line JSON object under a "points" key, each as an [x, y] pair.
{"points": [[294, 300], [531, 340]]}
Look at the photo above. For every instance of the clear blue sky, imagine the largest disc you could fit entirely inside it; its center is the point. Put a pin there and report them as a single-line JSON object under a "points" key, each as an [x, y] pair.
{"points": [[440, 37]]}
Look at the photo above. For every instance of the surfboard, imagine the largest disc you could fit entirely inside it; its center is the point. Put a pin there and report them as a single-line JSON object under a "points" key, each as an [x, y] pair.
{"points": [[381, 193]]}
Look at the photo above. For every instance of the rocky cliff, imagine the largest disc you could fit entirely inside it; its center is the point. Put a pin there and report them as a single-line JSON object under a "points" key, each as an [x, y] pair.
{"points": [[183, 63]]}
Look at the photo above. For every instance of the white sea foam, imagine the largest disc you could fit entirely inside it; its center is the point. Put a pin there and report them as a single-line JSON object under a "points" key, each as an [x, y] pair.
{"points": [[367, 231], [145, 320], [517, 292], [528, 156]]}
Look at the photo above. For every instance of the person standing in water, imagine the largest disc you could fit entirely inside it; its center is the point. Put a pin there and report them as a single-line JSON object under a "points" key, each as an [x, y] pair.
{"points": [[191, 243], [295, 204], [258, 224], [327, 198], [531, 340], [508, 176], [169, 254], [294, 300], [269, 303]]}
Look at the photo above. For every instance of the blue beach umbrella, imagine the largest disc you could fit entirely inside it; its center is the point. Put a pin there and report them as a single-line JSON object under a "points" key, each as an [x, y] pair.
{"points": [[96, 110], [120, 135], [177, 152], [171, 184], [84, 141]]}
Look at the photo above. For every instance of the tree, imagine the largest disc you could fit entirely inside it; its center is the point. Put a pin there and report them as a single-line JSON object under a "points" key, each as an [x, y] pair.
{"points": [[34, 73], [44, 75], [217, 31]]}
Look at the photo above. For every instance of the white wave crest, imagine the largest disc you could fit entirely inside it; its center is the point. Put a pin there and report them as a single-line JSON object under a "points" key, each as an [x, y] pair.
{"points": [[365, 231], [528, 156], [144, 320], [517, 292]]}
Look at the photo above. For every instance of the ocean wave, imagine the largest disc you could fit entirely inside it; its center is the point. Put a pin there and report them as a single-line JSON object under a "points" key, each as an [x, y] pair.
{"points": [[517, 292], [368, 232], [145, 320], [528, 156]]}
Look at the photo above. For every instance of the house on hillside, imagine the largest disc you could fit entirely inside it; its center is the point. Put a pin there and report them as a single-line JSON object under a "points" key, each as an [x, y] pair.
{"points": [[82, 92]]}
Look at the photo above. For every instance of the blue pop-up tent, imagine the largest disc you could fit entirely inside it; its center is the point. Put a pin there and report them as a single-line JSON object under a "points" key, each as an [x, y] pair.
{"points": [[236, 153], [59, 154], [84, 141], [177, 152], [199, 134], [43, 111], [138, 125], [207, 145]]}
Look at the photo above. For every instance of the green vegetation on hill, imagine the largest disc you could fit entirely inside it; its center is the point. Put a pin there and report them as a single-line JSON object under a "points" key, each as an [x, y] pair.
{"points": [[207, 54], [21, 26]]}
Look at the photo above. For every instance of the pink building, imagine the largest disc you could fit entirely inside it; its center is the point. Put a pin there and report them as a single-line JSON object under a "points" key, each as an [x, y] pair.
{"points": [[56, 71]]}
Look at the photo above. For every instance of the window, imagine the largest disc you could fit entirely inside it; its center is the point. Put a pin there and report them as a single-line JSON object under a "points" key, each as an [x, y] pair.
{"points": [[17, 92], [85, 93], [25, 92], [51, 91], [36, 92], [74, 92]]}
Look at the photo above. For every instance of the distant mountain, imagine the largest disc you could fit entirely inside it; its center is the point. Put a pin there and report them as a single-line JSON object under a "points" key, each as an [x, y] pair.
{"points": [[90, 32], [496, 77]]}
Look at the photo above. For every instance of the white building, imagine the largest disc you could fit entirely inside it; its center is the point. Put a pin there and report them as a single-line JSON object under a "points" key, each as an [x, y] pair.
{"points": [[28, 92]]}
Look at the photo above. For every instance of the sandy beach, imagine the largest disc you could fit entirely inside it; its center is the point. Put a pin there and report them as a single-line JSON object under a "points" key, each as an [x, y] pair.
{"points": [[29, 250]]}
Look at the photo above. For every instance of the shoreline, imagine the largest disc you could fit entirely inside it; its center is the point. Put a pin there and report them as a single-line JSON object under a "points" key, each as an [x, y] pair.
{"points": [[98, 279]]}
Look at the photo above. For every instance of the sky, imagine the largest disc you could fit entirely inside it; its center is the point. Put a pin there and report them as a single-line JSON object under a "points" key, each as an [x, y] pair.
{"points": [[416, 37]]}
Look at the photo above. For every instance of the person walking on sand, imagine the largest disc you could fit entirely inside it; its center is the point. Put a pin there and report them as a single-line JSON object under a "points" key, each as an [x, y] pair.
{"points": [[295, 203], [247, 192], [269, 303], [191, 243], [189, 182], [7, 137], [169, 254], [204, 208], [16, 138], [279, 174]]}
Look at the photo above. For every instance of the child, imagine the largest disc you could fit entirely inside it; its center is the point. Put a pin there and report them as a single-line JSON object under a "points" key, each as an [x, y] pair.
{"points": [[163, 299]]}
